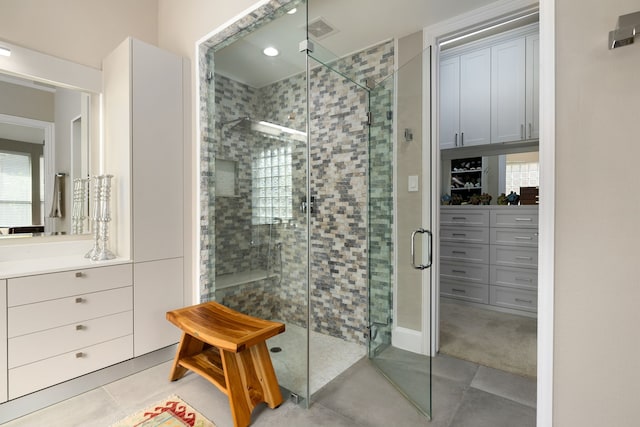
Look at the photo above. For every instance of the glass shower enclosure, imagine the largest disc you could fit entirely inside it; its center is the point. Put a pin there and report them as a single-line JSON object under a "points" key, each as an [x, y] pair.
{"points": [[297, 196]]}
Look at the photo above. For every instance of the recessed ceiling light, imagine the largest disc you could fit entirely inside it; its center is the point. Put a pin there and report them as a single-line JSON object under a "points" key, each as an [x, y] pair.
{"points": [[292, 11], [270, 51]]}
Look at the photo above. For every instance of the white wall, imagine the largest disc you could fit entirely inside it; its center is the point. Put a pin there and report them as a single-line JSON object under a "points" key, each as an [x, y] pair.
{"points": [[597, 288], [80, 31]]}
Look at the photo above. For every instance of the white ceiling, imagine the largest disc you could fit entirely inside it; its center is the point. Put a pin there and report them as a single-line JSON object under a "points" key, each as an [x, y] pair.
{"points": [[359, 24]]}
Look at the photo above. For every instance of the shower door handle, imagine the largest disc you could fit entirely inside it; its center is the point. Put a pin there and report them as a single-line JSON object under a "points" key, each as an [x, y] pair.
{"points": [[429, 246]]}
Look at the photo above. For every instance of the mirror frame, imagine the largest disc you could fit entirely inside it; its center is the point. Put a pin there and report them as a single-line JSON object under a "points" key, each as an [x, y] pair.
{"points": [[44, 68]]}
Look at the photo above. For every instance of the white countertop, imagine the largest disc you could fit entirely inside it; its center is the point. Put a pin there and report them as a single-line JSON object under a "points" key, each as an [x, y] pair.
{"points": [[41, 258]]}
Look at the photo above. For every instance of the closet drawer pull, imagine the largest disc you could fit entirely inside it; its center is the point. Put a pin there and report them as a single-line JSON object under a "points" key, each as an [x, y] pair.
{"points": [[523, 238], [459, 252], [461, 218], [459, 234], [524, 219], [462, 291], [459, 271], [528, 301], [526, 258], [524, 279]]}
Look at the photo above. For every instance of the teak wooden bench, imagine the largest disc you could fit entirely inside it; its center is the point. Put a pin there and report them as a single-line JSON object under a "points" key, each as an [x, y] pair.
{"points": [[228, 349]]}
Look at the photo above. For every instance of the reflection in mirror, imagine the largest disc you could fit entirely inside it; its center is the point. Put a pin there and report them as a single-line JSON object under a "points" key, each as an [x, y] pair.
{"points": [[44, 132]]}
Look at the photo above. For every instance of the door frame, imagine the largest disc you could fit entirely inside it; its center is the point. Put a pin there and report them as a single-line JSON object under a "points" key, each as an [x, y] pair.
{"points": [[431, 36]]}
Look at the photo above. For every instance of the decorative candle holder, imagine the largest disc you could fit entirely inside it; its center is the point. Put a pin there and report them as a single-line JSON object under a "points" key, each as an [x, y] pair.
{"points": [[101, 217], [79, 207]]}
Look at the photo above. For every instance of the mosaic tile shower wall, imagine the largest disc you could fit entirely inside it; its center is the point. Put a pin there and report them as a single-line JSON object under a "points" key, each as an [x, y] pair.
{"points": [[339, 182]]}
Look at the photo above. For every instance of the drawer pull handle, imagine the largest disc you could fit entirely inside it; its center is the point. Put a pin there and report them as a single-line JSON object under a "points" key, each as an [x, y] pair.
{"points": [[80, 355], [462, 291], [460, 218], [524, 238], [528, 301], [459, 271], [524, 219], [459, 234], [524, 279], [527, 258], [80, 327], [80, 274], [79, 300], [459, 252]]}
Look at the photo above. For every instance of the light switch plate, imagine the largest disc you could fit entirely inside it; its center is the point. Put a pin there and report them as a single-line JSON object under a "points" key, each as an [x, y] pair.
{"points": [[413, 183]]}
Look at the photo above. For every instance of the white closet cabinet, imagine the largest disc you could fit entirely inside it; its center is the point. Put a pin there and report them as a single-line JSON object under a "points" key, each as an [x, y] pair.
{"points": [[3, 341], [465, 99], [508, 91], [144, 89], [533, 86]]}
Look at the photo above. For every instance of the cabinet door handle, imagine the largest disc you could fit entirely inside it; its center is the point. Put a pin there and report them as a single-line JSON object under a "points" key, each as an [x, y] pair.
{"points": [[522, 131], [455, 140], [530, 132], [79, 300], [462, 139]]}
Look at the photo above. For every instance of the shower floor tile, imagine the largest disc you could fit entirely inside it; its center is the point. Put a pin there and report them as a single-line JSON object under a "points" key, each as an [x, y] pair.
{"points": [[330, 357]]}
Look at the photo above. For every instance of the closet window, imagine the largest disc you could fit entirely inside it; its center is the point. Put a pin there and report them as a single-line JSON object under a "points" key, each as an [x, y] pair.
{"points": [[522, 170]]}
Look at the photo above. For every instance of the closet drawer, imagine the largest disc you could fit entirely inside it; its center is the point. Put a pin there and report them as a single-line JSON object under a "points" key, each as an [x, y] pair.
{"points": [[26, 319], [514, 236], [464, 252], [52, 342], [514, 256], [467, 272], [472, 292], [466, 217], [521, 218], [518, 299], [524, 278], [464, 234], [30, 289], [36, 376]]}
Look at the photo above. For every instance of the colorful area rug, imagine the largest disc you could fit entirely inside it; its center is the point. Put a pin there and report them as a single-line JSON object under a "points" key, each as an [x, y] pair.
{"points": [[170, 412]]}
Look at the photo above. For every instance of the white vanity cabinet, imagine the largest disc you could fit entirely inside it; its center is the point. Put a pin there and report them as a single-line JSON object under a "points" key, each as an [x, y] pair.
{"points": [[67, 324], [3, 341], [144, 131]]}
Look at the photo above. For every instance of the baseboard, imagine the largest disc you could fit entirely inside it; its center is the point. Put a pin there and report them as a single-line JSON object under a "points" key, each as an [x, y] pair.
{"points": [[407, 339]]}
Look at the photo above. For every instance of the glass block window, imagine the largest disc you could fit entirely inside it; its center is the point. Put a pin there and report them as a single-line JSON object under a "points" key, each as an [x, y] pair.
{"points": [[521, 174], [271, 185], [15, 189]]}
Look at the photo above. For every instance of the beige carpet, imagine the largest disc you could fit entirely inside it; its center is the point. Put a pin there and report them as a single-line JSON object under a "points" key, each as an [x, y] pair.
{"points": [[490, 338]]}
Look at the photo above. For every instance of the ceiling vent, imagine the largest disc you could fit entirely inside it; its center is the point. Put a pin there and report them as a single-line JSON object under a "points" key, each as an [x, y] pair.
{"points": [[319, 28]]}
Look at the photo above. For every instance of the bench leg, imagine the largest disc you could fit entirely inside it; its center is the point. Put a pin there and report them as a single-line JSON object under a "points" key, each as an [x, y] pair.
{"points": [[250, 380], [188, 347]]}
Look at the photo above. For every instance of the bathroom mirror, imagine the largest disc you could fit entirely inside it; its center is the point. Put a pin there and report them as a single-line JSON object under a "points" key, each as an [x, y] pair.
{"points": [[49, 116]]}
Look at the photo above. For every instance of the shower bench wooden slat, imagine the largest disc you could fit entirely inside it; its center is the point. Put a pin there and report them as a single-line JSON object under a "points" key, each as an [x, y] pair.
{"points": [[228, 349]]}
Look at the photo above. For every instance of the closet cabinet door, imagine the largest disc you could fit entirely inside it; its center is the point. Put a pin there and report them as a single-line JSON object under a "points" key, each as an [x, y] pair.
{"points": [[157, 289], [475, 98], [508, 91], [157, 153], [533, 86], [449, 103]]}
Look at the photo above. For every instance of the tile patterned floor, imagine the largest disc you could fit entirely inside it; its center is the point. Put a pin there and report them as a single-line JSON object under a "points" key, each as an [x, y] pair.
{"points": [[464, 395]]}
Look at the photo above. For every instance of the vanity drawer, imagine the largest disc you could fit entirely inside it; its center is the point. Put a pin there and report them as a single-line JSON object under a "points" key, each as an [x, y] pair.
{"points": [[472, 292], [515, 236], [524, 278], [466, 217], [518, 299], [26, 319], [36, 376], [464, 234], [514, 256], [525, 218], [52, 342], [467, 272], [30, 289], [464, 252]]}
